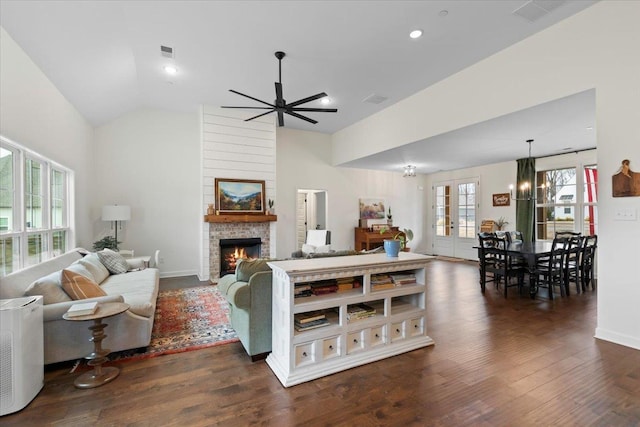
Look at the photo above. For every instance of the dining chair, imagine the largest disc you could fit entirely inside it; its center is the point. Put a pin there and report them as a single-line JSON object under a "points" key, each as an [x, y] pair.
{"points": [[516, 236], [497, 265], [572, 262], [587, 262], [567, 234], [549, 271]]}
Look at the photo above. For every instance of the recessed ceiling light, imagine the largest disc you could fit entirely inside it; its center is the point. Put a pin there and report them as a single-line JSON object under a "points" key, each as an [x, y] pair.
{"points": [[415, 34], [443, 13], [170, 69], [325, 101]]}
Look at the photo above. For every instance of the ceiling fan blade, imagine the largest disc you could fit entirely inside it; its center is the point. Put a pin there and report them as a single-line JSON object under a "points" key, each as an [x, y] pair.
{"points": [[260, 115], [248, 108], [250, 97], [322, 110], [278, 91], [300, 116], [280, 119], [309, 99]]}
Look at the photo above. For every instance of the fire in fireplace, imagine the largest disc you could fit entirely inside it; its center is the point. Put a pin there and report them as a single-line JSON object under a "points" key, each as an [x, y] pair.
{"points": [[233, 249]]}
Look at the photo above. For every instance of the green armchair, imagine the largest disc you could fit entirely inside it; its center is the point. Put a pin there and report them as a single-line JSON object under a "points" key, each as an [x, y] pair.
{"points": [[248, 293]]}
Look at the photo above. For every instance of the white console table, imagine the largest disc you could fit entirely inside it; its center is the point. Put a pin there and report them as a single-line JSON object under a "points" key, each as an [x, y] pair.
{"points": [[398, 326]]}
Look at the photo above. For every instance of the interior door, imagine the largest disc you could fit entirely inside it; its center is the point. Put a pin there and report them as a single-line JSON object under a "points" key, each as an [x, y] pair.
{"points": [[455, 208]]}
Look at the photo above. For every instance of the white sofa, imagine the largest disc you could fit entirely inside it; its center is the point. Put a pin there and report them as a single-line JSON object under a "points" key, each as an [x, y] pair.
{"points": [[69, 340]]}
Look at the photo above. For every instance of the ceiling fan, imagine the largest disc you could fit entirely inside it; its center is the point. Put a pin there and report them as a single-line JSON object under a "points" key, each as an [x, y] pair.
{"points": [[280, 105]]}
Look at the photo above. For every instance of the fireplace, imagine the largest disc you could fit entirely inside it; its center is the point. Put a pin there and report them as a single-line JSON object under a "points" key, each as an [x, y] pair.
{"points": [[233, 249]]}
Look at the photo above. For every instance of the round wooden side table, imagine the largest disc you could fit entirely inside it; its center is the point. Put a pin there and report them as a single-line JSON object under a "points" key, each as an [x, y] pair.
{"points": [[99, 375]]}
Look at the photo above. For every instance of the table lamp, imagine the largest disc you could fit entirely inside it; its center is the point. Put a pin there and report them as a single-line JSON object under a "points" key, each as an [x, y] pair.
{"points": [[116, 213]]}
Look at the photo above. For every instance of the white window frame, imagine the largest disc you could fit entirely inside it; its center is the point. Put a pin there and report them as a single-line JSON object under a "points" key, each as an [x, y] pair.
{"points": [[20, 230]]}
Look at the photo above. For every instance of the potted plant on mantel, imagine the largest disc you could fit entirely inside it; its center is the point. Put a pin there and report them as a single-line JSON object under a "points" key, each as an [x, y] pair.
{"points": [[393, 246]]}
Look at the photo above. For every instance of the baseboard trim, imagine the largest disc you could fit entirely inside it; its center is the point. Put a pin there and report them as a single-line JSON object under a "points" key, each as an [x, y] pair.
{"points": [[616, 338], [166, 274]]}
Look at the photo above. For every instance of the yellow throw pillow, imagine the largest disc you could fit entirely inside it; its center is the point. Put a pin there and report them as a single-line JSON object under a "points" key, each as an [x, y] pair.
{"points": [[79, 287]]}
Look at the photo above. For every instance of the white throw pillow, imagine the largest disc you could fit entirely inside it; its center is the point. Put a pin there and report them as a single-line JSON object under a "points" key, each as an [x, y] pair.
{"points": [[50, 287], [95, 267], [324, 249], [308, 249]]}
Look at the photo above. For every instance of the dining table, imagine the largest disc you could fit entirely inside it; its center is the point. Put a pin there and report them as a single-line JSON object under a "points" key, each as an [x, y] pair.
{"points": [[529, 252]]}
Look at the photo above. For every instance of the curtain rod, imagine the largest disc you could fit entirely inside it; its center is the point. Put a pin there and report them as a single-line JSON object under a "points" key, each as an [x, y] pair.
{"points": [[568, 152]]}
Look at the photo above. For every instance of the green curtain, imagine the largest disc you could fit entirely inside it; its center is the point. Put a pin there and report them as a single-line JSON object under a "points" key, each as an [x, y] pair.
{"points": [[525, 209]]}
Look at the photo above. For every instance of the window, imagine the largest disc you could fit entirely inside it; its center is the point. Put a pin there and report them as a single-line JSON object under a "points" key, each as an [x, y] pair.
{"points": [[561, 207], [34, 208], [467, 210], [443, 210]]}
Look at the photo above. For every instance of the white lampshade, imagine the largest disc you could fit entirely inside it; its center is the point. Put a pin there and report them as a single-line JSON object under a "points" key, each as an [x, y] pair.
{"points": [[116, 213]]}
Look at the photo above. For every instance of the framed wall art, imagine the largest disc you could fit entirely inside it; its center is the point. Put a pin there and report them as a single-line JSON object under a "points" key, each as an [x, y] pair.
{"points": [[372, 209], [501, 199], [239, 196]]}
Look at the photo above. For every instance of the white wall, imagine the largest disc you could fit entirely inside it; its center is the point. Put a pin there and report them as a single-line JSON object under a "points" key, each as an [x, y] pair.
{"points": [[596, 48], [233, 148], [148, 159], [493, 178], [496, 178], [36, 115], [304, 162]]}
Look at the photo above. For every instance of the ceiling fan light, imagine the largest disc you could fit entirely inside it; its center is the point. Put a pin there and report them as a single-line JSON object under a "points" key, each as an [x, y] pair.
{"points": [[415, 34], [325, 101]]}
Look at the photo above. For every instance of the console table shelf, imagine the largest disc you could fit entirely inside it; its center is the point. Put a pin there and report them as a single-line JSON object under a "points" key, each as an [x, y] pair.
{"points": [[398, 325], [240, 218]]}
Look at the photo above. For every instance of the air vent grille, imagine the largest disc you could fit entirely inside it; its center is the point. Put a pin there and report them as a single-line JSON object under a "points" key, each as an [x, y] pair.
{"points": [[375, 99], [536, 9], [166, 51]]}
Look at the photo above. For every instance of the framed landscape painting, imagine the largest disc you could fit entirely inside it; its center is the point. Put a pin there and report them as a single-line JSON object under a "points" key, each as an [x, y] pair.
{"points": [[372, 209], [239, 196]]}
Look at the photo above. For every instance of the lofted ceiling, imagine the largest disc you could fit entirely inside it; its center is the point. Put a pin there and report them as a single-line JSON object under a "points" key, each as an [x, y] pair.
{"points": [[105, 58]]}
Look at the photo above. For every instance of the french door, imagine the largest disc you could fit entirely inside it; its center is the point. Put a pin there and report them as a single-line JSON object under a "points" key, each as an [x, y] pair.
{"points": [[455, 207]]}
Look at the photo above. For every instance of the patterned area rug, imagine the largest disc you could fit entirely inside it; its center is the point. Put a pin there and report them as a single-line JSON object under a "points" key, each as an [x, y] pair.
{"points": [[186, 319]]}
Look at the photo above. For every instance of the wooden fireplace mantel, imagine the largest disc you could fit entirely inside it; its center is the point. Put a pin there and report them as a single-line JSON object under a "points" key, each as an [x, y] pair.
{"points": [[239, 218]]}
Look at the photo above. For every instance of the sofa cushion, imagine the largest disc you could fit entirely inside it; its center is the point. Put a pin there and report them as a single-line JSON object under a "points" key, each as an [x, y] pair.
{"points": [[246, 268], [225, 283], [80, 287], [95, 267], [138, 288], [81, 269], [50, 287], [115, 263], [332, 254]]}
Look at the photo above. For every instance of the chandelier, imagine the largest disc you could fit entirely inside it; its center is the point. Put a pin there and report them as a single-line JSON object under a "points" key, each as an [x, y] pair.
{"points": [[527, 191], [409, 171]]}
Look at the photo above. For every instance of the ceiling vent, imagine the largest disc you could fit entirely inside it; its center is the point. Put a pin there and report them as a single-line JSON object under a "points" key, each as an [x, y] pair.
{"points": [[375, 99], [536, 9], [166, 51]]}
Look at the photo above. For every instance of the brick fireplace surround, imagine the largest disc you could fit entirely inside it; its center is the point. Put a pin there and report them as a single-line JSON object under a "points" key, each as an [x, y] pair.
{"points": [[235, 230]]}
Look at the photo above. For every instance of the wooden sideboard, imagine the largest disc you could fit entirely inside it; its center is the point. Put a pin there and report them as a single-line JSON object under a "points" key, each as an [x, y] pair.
{"points": [[367, 239]]}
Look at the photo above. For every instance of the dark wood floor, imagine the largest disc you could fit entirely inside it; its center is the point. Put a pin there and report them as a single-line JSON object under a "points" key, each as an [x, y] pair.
{"points": [[496, 362]]}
